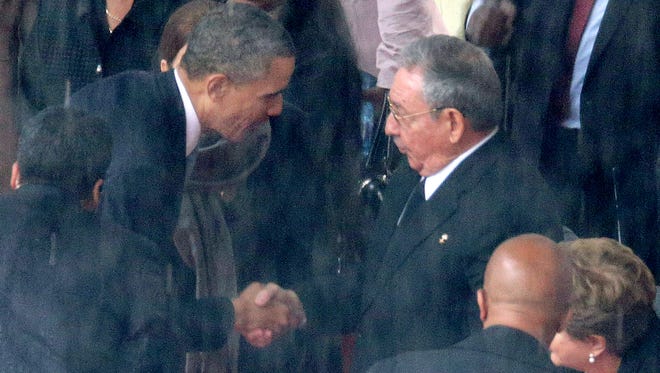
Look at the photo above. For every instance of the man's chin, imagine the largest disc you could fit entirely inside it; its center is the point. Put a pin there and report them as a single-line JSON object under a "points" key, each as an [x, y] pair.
{"points": [[414, 165], [240, 135], [253, 129], [237, 136]]}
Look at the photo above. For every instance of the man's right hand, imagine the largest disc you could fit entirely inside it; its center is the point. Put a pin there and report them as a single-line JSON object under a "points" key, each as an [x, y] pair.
{"points": [[265, 312]]}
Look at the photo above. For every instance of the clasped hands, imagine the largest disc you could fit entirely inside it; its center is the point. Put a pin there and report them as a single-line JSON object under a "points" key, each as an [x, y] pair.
{"points": [[264, 312]]}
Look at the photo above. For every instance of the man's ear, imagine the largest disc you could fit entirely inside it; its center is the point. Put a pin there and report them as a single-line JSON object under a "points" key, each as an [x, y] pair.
{"points": [[15, 181], [483, 304], [92, 203], [457, 124], [164, 66], [217, 86], [96, 192]]}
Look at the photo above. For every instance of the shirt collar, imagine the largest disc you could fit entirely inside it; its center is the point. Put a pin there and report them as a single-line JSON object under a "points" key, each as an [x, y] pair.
{"points": [[193, 127], [434, 181]]}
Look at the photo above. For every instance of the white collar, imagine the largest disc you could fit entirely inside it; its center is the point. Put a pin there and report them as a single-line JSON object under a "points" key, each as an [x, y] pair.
{"points": [[434, 181], [193, 127]]}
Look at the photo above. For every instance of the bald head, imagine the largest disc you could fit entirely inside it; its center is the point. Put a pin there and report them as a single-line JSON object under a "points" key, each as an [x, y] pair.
{"points": [[526, 286]]}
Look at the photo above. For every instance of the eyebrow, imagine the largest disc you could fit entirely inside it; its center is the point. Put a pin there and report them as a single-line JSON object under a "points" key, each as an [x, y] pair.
{"points": [[395, 104], [273, 94]]}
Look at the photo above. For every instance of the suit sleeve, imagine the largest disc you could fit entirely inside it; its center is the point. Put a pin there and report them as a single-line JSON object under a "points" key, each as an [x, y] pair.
{"points": [[158, 325]]}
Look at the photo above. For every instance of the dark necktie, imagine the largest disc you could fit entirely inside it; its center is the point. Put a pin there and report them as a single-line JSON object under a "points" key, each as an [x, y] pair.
{"points": [[581, 12], [415, 200], [578, 21]]}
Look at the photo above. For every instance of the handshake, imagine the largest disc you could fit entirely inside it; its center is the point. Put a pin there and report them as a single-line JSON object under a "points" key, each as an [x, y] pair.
{"points": [[262, 313]]}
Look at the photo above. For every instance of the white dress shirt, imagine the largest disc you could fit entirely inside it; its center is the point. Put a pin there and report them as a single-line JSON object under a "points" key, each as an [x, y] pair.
{"points": [[582, 62], [193, 127], [434, 181]]}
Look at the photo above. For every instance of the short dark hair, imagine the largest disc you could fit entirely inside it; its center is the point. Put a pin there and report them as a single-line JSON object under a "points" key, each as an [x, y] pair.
{"points": [[180, 25], [64, 147], [238, 40], [457, 74]]}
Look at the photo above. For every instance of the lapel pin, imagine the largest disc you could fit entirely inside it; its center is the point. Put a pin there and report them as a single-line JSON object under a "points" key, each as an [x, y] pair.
{"points": [[443, 239]]}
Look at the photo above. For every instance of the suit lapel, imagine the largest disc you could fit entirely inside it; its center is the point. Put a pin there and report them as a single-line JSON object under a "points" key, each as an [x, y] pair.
{"points": [[423, 222], [435, 212], [615, 12], [175, 114]]}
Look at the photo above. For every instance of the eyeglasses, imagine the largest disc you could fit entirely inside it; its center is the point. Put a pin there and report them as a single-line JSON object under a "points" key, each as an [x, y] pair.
{"points": [[398, 116]]}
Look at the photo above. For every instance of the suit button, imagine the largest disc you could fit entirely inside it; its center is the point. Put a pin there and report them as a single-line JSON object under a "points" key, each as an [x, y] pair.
{"points": [[99, 69]]}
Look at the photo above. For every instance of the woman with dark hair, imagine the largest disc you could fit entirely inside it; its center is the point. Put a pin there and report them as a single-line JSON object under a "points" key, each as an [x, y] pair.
{"points": [[611, 326], [326, 85], [323, 215]]}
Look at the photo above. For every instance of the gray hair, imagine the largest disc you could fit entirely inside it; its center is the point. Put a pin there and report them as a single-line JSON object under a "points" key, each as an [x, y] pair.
{"points": [[457, 74], [238, 40]]}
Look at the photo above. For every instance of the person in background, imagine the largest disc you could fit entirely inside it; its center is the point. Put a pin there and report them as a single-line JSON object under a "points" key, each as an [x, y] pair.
{"points": [[52, 270], [583, 105], [324, 218], [611, 325], [52, 48], [521, 305], [454, 14], [400, 23], [325, 85], [362, 20]]}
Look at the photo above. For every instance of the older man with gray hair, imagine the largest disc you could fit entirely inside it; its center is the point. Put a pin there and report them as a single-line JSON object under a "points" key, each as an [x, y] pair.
{"points": [[462, 193]]}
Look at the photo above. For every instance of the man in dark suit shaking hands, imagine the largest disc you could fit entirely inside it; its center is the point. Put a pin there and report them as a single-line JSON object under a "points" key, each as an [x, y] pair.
{"points": [[230, 80], [426, 259]]}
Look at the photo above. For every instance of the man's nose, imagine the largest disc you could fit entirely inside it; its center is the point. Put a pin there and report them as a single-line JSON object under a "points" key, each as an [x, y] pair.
{"points": [[391, 125]]}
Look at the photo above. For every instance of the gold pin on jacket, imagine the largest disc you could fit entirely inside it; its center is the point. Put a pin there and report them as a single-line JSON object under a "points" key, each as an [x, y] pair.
{"points": [[443, 239]]}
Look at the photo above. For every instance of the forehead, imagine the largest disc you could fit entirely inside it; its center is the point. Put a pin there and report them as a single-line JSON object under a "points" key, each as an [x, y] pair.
{"points": [[407, 87]]}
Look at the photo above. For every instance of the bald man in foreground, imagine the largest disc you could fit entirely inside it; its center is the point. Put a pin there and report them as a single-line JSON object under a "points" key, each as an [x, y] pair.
{"points": [[521, 305]]}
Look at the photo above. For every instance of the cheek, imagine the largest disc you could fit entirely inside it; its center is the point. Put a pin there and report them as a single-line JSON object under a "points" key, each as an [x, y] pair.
{"points": [[242, 121], [564, 351], [420, 144]]}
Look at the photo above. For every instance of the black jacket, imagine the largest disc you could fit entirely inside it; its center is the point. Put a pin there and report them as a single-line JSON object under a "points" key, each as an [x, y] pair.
{"points": [[52, 275], [70, 41], [81, 297], [497, 349]]}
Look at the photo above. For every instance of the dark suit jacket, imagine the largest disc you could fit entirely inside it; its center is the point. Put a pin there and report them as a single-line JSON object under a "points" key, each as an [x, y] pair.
{"points": [[144, 182], [621, 80], [495, 349], [421, 278], [70, 41], [620, 103], [51, 278], [80, 297]]}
